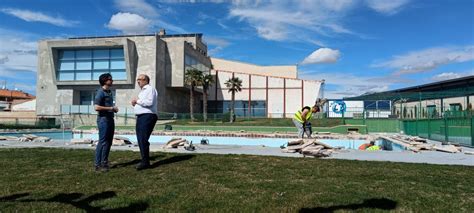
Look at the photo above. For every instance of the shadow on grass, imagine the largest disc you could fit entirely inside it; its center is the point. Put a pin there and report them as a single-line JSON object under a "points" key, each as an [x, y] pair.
{"points": [[134, 162], [376, 203], [171, 160], [75, 200]]}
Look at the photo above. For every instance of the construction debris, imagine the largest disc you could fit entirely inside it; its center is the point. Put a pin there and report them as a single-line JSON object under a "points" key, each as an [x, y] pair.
{"points": [[8, 138], [177, 142], [309, 147], [81, 141], [416, 144], [120, 141], [31, 138]]}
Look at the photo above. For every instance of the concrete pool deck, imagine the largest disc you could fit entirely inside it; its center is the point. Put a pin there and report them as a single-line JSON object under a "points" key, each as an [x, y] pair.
{"points": [[429, 157]]}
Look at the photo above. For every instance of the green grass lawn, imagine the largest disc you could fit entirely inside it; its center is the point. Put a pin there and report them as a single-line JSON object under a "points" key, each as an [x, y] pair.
{"points": [[63, 180]]}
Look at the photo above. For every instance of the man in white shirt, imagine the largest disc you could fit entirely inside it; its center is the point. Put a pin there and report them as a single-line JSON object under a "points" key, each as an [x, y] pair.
{"points": [[146, 108]]}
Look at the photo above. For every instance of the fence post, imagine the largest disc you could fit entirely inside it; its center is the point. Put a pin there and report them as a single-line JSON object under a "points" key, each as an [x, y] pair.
{"points": [[343, 119], [445, 128], [472, 129], [429, 127], [126, 117]]}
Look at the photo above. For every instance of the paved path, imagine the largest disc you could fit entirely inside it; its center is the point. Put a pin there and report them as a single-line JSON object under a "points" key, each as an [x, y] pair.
{"points": [[430, 157]]}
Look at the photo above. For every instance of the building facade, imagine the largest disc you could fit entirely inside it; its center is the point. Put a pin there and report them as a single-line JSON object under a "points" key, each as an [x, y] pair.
{"points": [[433, 100], [69, 70], [267, 91]]}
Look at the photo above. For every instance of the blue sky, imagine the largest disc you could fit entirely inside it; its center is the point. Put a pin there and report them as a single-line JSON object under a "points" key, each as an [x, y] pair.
{"points": [[357, 46]]}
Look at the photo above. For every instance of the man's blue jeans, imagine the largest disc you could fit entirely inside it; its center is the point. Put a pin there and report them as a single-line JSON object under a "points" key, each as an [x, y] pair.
{"points": [[106, 127], [144, 127]]}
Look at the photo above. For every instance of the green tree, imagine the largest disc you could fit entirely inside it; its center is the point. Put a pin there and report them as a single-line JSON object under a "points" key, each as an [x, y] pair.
{"points": [[207, 81], [192, 78], [234, 85]]}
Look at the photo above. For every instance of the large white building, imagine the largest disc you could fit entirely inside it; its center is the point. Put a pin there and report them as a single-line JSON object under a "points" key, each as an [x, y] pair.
{"points": [[269, 91], [69, 69]]}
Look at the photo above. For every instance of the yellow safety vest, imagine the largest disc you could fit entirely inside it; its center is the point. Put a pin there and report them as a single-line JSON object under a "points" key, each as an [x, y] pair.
{"points": [[373, 148], [300, 119]]}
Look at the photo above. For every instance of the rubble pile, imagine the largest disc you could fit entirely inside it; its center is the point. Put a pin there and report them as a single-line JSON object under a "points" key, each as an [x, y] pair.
{"points": [[26, 138], [309, 147], [416, 144], [174, 143]]}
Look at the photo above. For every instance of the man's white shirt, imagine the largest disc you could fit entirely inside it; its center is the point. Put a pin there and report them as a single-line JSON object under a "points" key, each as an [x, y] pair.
{"points": [[147, 101]]}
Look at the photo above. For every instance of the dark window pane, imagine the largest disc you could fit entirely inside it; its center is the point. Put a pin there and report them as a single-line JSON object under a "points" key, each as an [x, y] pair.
{"points": [[83, 54], [383, 105], [116, 53], [101, 54], [372, 105], [66, 54]]}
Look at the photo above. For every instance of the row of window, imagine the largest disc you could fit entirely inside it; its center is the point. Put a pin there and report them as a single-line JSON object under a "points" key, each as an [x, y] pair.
{"points": [[86, 65], [257, 108]]}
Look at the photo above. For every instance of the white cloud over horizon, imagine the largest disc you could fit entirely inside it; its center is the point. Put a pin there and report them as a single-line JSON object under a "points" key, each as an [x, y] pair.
{"points": [[32, 16], [427, 60], [218, 43], [129, 23], [322, 56], [451, 75], [145, 16], [347, 84], [17, 53]]}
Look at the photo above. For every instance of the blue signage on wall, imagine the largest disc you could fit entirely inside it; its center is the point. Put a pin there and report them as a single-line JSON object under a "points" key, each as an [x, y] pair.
{"points": [[338, 107]]}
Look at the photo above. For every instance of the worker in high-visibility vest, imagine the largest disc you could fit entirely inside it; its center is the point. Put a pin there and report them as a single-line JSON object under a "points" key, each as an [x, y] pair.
{"points": [[374, 148], [302, 119], [366, 145]]}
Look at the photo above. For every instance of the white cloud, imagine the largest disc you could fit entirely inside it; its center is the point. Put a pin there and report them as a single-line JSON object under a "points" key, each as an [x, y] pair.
{"points": [[451, 75], [388, 7], [137, 6], [321, 56], [32, 16], [346, 84], [428, 59], [218, 43], [139, 16], [16, 52], [277, 20], [129, 23]]}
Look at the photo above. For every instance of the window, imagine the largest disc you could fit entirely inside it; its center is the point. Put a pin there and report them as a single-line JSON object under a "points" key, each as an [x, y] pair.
{"points": [[431, 111], [89, 64], [455, 107], [192, 63], [377, 105]]}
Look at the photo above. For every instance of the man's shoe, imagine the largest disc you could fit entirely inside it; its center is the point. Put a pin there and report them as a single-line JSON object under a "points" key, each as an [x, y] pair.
{"points": [[105, 168], [97, 168], [142, 166]]}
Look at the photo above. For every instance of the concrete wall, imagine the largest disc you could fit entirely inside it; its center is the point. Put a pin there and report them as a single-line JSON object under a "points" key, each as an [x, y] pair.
{"points": [[283, 96], [289, 71], [51, 94], [25, 106]]}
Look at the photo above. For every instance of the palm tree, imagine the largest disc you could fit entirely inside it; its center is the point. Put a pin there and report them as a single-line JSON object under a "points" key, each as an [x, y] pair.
{"points": [[193, 78], [207, 80], [234, 85]]}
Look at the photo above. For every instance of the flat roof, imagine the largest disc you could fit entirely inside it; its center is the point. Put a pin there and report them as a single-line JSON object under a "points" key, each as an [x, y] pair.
{"points": [[442, 89], [199, 35]]}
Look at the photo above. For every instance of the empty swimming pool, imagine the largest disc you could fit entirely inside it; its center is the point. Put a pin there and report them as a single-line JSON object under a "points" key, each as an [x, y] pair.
{"points": [[243, 141]]}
